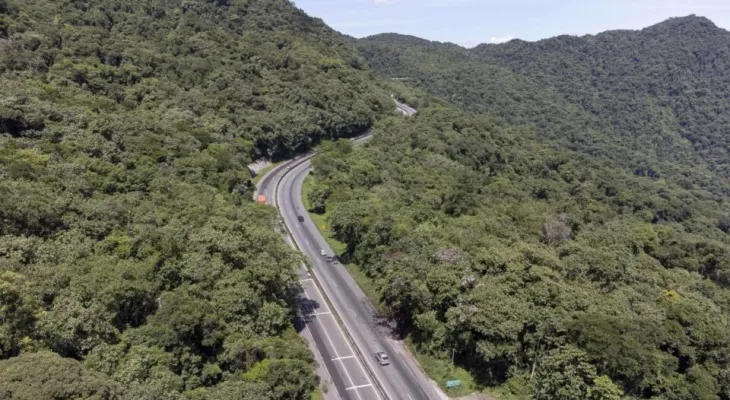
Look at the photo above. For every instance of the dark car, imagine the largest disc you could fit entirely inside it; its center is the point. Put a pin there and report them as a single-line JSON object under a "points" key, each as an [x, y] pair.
{"points": [[300, 218]]}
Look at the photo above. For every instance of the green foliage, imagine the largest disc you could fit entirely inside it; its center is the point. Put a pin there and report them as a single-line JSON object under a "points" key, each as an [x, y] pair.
{"points": [[604, 389], [317, 198], [598, 222], [544, 269], [564, 373], [132, 263], [650, 101], [45, 375]]}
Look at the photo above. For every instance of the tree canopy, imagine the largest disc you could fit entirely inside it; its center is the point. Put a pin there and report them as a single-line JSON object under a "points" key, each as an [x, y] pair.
{"points": [[651, 101], [535, 265], [553, 231], [132, 263], [566, 229]]}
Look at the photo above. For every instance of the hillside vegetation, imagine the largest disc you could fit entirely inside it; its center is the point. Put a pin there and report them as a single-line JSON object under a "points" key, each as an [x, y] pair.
{"points": [[569, 238], [132, 264], [546, 271], [652, 101]]}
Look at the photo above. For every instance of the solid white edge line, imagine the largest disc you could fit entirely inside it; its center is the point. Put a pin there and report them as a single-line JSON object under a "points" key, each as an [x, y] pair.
{"points": [[362, 367], [290, 237], [277, 195]]}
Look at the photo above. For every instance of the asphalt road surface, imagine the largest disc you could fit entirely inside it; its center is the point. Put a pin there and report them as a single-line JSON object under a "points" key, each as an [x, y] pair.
{"points": [[403, 108], [319, 324], [348, 349], [402, 379], [348, 374]]}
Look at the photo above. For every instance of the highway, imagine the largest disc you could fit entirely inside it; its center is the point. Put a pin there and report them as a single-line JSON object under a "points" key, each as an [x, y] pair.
{"points": [[346, 374], [347, 348], [404, 109]]}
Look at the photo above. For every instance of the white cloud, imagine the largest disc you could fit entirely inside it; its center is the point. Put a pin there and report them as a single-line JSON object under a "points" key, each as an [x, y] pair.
{"points": [[500, 39], [379, 2]]}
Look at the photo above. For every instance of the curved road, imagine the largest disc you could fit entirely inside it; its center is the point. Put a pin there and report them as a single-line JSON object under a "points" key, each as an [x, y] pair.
{"points": [[346, 348]]}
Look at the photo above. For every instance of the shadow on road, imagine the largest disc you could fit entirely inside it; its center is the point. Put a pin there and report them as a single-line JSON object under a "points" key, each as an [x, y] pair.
{"points": [[308, 309]]}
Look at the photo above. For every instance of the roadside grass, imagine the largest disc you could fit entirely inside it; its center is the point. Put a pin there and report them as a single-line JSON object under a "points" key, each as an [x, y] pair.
{"points": [[441, 370], [505, 392], [316, 395]]}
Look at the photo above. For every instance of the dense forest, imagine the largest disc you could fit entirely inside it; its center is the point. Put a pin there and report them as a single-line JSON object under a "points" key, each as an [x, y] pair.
{"points": [[557, 275], [132, 263], [556, 213], [568, 235], [652, 101]]}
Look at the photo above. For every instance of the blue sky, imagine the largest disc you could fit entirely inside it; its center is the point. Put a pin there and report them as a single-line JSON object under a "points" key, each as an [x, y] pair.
{"points": [[470, 22]]}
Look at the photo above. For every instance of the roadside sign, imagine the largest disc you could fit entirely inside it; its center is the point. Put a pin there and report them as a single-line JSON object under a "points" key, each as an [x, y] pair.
{"points": [[453, 384]]}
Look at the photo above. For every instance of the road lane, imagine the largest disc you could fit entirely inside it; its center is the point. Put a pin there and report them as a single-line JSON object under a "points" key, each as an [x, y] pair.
{"points": [[400, 380], [352, 382], [405, 109], [349, 377], [334, 340]]}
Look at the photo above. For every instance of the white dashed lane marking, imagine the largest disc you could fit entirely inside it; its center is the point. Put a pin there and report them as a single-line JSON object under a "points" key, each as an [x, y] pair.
{"points": [[358, 387], [334, 349]]}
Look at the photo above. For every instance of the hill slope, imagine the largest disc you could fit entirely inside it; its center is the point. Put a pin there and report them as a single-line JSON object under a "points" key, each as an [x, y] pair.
{"points": [[665, 84], [548, 272], [132, 264], [648, 100], [568, 237]]}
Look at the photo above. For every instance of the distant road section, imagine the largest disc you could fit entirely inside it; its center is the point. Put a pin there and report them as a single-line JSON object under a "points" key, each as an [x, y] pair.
{"points": [[404, 109]]}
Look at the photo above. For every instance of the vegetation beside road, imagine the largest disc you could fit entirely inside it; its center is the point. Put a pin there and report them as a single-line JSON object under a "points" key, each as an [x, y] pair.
{"points": [[548, 271], [320, 220], [133, 264], [566, 231], [571, 238], [650, 101]]}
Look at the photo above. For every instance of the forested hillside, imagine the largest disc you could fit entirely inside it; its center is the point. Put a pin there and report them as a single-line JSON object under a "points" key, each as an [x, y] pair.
{"points": [[648, 100], [546, 271], [132, 264], [666, 83], [570, 238]]}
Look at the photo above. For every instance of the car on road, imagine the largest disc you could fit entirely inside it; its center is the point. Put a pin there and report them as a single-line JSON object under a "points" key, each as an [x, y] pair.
{"points": [[300, 218], [322, 253], [382, 358]]}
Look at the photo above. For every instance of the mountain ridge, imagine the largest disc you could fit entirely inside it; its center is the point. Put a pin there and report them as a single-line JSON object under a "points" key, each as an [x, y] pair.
{"points": [[586, 74], [557, 220]]}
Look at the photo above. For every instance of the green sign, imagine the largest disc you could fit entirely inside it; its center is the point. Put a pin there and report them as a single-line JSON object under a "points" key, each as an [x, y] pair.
{"points": [[453, 384]]}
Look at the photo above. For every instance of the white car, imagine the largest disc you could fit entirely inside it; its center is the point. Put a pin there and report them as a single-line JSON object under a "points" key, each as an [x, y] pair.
{"points": [[382, 358], [323, 253]]}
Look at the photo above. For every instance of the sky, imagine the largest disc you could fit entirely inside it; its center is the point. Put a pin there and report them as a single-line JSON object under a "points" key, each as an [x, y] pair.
{"points": [[471, 22]]}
